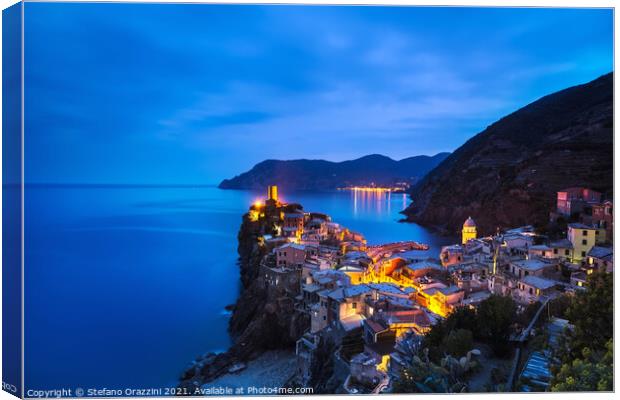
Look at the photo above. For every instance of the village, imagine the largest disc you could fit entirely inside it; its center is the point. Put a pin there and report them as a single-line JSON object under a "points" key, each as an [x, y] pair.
{"points": [[371, 300]]}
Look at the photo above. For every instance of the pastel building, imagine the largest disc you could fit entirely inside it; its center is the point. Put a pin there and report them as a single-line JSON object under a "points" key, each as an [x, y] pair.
{"points": [[532, 288], [469, 230], [291, 255], [530, 267], [573, 200], [293, 224], [601, 258], [583, 238], [603, 217]]}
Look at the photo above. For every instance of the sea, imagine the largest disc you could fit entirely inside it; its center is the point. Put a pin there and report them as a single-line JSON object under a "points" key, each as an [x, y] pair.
{"points": [[126, 285]]}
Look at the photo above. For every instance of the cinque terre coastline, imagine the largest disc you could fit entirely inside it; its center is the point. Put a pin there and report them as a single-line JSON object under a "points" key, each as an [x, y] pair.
{"points": [[323, 310]]}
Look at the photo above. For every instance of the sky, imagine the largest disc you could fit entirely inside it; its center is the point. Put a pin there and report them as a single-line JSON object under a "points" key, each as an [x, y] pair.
{"points": [[187, 94]]}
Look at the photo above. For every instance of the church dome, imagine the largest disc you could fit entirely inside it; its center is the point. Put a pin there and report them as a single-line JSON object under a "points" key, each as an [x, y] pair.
{"points": [[469, 223]]}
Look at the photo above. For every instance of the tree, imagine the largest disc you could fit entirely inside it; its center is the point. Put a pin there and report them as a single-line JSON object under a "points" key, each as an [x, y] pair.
{"points": [[462, 318], [588, 373], [458, 342], [421, 375], [591, 313], [494, 319], [587, 357]]}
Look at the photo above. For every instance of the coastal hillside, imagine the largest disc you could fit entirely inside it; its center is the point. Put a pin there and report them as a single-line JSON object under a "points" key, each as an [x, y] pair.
{"points": [[325, 175], [508, 174]]}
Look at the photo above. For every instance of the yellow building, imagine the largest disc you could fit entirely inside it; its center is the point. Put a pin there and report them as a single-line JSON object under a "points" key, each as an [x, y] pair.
{"points": [[272, 193], [469, 230], [583, 238]]}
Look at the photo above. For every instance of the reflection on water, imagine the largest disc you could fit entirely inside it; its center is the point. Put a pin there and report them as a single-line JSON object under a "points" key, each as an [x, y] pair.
{"points": [[379, 201]]}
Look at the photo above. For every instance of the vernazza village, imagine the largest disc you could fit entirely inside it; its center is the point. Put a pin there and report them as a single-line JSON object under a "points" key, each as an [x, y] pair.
{"points": [[252, 199]]}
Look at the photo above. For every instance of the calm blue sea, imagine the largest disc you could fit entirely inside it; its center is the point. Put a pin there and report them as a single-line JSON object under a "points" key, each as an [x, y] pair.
{"points": [[126, 285]]}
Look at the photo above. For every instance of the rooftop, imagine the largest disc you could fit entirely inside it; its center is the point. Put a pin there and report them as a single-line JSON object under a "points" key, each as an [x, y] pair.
{"points": [[292, 246], [351, 268], [601, 252], [375, 326], [418, 317], [469, 222], [421, 265], [542, 247], [477, 297], [577, 225], [538, 282], [352, 322], [562, 244], [521, 229], [532, 264], [450, 290], [342, 293], [390, 288]]}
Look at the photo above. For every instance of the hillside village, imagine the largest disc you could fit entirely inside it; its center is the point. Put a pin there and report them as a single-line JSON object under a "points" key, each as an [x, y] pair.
{"points": [[372, 302]]}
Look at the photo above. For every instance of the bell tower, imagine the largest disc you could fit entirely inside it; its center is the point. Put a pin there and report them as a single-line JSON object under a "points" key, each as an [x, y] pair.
{"points": [[469, 230]]}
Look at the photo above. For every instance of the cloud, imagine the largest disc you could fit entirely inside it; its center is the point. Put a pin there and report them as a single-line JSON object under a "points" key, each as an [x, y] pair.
{"points": [[223, 87]]}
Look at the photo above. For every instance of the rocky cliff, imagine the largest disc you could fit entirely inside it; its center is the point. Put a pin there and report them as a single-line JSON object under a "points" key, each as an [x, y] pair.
{"points": [[508, 174], [327, 175], [262, 319]]}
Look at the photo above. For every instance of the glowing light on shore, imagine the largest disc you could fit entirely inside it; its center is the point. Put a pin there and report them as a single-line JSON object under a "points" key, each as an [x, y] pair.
{"points": [[258, 203], [370, 189]]}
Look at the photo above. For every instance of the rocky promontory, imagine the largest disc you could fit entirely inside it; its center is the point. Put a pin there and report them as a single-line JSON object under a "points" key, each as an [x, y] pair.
{"points": [[262, 319]]}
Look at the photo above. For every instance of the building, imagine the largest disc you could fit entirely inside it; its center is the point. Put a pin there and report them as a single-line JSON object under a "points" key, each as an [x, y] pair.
{"points": [[407, 273], [530, 267], [541, 250], [355, 273], [293, 224], [578, 279], [603, 218], [272, 193], [601, 258], [451, 255], [469, 230], [364, 369], [573, 200], [531, 288], [440, 299], [290, 255], [348, 305], [305, 349], [518, 242], [562, 249], [583, 238]]}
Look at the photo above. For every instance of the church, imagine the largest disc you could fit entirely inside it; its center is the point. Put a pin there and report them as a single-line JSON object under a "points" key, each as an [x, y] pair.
{"points": [[469, 230]]}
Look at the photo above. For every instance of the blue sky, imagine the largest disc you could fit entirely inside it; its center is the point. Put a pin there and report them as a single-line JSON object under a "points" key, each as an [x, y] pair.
{"points": [[171, 93]]}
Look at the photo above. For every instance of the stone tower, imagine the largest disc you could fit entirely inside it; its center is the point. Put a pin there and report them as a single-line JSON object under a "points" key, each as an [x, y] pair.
{"points": [[272, 193]]}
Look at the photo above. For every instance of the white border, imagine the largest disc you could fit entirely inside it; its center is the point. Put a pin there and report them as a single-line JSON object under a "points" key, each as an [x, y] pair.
{"points": [[481, 3]]}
